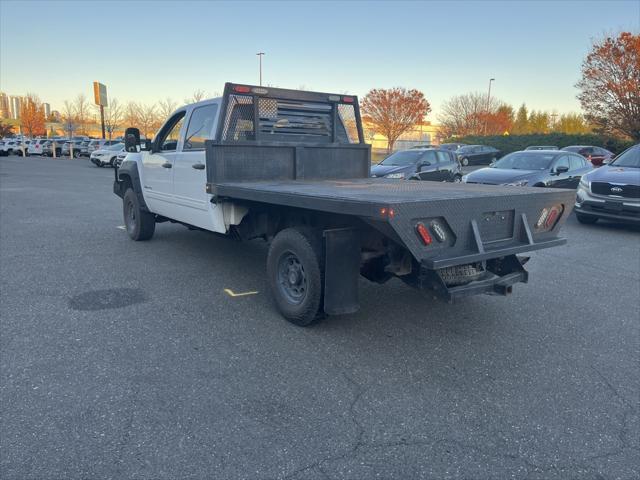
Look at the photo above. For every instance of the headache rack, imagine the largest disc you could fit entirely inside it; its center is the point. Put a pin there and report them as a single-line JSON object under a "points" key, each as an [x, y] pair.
{"points": [[265, 114], [274, 134]]}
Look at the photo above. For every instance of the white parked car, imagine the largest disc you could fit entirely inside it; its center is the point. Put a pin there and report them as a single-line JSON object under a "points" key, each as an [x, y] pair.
{"points": [[120, 158], [107, 155], [7, 146], [36, 147]]}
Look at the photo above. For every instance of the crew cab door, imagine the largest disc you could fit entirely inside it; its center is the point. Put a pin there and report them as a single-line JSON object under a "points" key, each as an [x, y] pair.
{"points": [[189, 173], [157, 180]]}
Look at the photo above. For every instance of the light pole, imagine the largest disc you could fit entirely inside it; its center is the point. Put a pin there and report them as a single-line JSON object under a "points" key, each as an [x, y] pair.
{"points": [[488, 105], [260, 54]]}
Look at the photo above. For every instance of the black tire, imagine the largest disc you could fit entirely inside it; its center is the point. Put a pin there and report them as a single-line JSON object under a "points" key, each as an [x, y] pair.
{"points": [[76, 154], [296, 275], [112, 162], [140, 225], [464, 162], [457, 178], [586, 219]]}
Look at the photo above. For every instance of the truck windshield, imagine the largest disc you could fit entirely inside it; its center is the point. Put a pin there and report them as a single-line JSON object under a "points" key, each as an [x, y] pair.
{"points": [[407, 157], [524, 161]]}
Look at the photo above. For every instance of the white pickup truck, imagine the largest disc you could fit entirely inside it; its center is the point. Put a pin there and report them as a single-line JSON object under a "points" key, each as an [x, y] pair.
{"points": [[292, 167]]}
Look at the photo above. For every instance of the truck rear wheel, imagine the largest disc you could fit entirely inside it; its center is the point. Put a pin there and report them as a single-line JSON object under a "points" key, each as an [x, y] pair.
{"points": [[295, 273], [140, 225]]}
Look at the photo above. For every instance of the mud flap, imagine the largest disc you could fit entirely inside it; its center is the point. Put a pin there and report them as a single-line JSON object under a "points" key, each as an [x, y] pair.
{"points": [[341, 271]]}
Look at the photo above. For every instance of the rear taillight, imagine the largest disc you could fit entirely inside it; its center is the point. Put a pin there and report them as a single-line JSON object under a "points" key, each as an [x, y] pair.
{"points": [[241, 89], [424, 234], [549, 216]]}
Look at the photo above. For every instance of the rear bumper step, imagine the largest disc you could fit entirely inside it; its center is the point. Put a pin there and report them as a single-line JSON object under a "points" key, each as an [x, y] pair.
{"points": [[499, 278]]}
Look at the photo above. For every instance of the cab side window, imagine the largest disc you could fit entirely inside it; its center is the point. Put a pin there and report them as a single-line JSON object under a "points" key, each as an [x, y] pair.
{"points": [[200, 127], [170, 133]]}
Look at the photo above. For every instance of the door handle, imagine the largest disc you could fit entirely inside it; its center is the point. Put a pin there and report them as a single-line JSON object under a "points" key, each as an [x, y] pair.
{"points": [[167, 165], [198, 166]]}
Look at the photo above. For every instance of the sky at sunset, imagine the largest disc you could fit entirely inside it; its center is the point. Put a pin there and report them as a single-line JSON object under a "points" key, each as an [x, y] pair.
{"points": [[148, 50]]}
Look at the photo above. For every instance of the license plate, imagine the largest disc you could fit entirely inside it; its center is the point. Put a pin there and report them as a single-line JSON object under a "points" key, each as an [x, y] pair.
{"points": [[613, 206]]}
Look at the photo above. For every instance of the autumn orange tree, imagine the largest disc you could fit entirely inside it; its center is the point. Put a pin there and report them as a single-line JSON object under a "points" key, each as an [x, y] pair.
{"points": [[6, 130], [32, 116], [391, 112], [610, 85]]}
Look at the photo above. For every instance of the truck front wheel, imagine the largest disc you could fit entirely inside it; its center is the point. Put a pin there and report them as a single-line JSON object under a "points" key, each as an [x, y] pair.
{"points": [[140, 225], [294, 269]]}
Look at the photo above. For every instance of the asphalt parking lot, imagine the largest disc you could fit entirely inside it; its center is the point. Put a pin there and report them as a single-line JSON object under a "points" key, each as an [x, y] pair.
{"points": [[123, 359]]}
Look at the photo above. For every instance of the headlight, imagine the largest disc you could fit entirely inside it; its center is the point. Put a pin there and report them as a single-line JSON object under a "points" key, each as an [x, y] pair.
{"points": [[464, 178], [395, 175], [584, 183], [519, 183]]}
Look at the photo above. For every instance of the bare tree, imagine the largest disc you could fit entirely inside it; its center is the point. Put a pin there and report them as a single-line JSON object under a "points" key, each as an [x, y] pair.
{"points": [[81, 106], [394, 111], [197, 96], [166, 107], [113, 116], [148, 121], [466, 114], [130, 115], [69, 116]]}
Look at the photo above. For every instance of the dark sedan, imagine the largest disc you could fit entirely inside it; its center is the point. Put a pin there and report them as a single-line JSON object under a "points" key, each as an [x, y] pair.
{"points": [[427, 164], [613, 191], [477, 154], [596, 155], [534, 168]]}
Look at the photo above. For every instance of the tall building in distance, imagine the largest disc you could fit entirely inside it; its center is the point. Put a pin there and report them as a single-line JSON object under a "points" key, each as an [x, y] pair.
{"points": [[47, 110], [5, 112], [14, 104]]}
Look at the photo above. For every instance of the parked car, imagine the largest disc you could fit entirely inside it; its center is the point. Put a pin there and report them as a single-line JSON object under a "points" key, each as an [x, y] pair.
{"points": [[534, 168], [106, 155], [77, 148], [613, 191], [22, 148], [477, 154], [98, 144], [452, 146], [542, 147], [595, 155], [36, 147], [8, 147], [434, 164], [120, 158], [48, 147]]}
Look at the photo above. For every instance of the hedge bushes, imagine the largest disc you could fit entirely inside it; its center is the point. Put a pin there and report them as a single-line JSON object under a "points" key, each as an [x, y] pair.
{"points": [[513, 143]]}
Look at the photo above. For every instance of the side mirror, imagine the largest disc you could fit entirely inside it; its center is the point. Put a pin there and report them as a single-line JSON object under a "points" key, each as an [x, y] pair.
{"points": [[131, 139], [561, 169], [421, 165]]}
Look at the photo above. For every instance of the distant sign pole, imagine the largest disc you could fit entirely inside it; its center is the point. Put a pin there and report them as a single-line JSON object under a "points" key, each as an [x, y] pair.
{"points": [[100, 99]]}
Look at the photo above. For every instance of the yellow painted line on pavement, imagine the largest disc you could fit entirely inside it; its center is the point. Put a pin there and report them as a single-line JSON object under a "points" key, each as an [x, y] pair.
{"points": [[231, 293]]}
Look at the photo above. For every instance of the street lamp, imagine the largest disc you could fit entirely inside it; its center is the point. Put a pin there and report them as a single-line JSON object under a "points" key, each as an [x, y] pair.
{"points": [[260, 54], [488, 105]]}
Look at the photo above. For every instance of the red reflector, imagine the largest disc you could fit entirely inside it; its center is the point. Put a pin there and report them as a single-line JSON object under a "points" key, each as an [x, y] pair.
{"points": [[423, 233], [551, 218], [241, 89], [347, 99]]}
